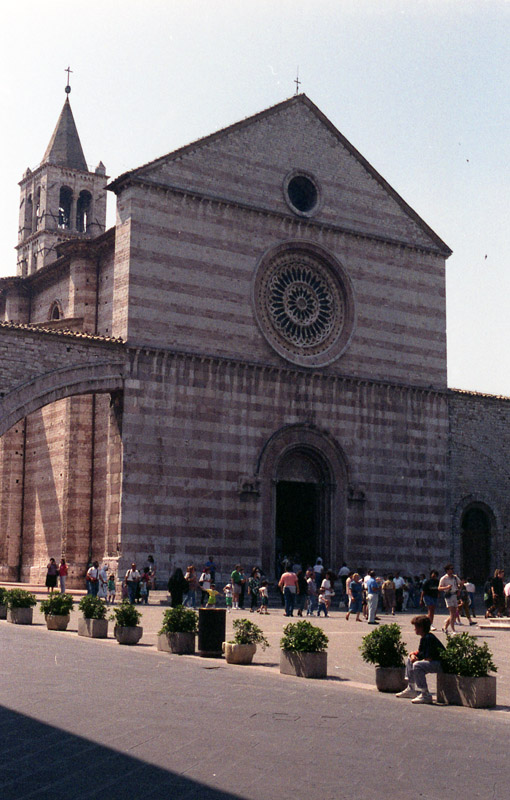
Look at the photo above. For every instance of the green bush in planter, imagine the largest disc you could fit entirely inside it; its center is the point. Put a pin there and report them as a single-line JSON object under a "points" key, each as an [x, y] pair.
{"points": [[92, 607], [20, 598], [464, 656], [303, 637], [3, 596], [126, 615], [179, 620], [57, 605], [246, 632], [384, 646]]}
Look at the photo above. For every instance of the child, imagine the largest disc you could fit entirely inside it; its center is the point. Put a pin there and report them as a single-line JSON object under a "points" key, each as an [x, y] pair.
{"points": [[227, 591], [111, 590], [323, 603], [264, 598], [424, 660], [213, 594]]}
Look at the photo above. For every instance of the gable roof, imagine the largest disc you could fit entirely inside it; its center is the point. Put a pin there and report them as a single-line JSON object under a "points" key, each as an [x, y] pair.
{"points": [[64, 149], [141, 172]]}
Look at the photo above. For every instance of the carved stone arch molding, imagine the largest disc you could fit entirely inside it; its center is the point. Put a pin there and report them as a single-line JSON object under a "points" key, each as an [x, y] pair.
{"points": [[488, 505], [304, 453]]}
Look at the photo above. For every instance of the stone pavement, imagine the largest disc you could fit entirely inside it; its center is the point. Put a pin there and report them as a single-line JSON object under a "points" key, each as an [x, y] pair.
{"points": [[89, 719]]}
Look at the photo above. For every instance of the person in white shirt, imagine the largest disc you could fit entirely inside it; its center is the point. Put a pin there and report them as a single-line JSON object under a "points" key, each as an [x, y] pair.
{"points": [[448, 587], [132, 578]]}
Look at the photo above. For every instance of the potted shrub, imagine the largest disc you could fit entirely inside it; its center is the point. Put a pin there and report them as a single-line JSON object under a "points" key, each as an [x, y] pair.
{"points": [[3, 603], [243, 646], [177, 634], [465, 680], [126, 629], [303, 650], [384, 648], [93, 623], [57, 611], [20, 605]]}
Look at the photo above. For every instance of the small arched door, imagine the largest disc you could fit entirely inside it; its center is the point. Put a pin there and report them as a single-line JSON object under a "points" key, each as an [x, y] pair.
{"points": [[476, 544]]}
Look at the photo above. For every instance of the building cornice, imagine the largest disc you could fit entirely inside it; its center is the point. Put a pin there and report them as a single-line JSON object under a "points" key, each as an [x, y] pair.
{"points": [[301, 222]]}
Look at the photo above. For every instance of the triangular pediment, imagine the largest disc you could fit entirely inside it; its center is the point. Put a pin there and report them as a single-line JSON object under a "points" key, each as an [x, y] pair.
{"points": [[249, 162]]}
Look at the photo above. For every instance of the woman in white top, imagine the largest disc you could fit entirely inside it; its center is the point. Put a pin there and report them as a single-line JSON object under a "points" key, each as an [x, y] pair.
{"points": [[328, 585]]}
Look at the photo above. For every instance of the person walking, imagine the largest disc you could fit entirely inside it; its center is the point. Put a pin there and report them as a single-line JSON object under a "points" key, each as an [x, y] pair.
{"points": [[51, 575], [355, 591], [132, 581], [62, 574], [288, 583], [93, 579], [448, 588], [192, 583], [429, 595], [373, 590], [177, 585]]}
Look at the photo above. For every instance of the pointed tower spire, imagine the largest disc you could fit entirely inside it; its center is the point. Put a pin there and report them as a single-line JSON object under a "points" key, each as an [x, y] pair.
{"points": [[64, 149]]}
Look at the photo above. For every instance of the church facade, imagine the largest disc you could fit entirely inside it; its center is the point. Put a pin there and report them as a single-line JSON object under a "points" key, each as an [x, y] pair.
{"points": [[281, 310]]}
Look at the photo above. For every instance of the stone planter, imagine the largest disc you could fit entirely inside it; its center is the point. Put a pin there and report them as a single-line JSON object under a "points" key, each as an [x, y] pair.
{"points": [[3, 611], [181, 644], [457, 690], [239, 653], [390, 679], [304, 665], [20, 616], [94, 628], [128, 635], [57, 622]]}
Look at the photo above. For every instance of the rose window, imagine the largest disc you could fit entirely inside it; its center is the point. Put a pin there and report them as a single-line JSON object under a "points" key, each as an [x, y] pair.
{"points": [[301, 306]]}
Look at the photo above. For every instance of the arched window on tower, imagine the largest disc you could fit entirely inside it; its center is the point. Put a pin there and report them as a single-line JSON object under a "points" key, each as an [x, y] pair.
{"points": [[64, 207], [83, 209], [37, 207], [28, 215], [55, 311]]}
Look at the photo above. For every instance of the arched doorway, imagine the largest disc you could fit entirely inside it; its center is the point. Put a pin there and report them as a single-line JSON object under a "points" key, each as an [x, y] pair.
{"points": [[303, 484], [476, 544], [302, 490]]}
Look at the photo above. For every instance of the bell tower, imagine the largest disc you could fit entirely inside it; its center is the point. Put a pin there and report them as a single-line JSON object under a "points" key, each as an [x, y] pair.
{"points": [[61, 199]]}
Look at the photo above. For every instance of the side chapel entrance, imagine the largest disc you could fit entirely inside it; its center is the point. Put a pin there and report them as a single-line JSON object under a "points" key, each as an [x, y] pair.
{"points": [[476, 545]]}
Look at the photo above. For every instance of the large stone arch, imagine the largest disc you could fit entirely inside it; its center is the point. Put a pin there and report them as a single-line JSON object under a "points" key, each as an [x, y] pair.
{"points": [[96, 378], [327, 460]]}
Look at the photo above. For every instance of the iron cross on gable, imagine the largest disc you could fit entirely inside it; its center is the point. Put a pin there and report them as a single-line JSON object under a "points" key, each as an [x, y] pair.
{"points": [[297, 81]]}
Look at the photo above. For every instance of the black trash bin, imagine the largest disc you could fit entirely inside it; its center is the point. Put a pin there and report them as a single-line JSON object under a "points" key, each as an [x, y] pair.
{"points": [[211, 632]]}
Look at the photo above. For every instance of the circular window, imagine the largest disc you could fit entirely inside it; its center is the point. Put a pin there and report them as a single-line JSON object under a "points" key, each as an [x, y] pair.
{"points": [[303, 306], [301, 193]]}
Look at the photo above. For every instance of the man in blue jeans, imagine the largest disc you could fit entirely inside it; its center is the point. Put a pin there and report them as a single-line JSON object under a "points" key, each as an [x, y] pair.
{"points": [[288, 584], [132, 580], [373, 590]]}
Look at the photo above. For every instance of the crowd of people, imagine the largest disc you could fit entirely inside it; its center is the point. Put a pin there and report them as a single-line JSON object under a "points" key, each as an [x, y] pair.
{"points": [[310, 590]]}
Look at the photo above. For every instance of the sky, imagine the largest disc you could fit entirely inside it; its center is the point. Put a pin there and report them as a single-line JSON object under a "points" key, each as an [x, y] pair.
{"points": [[419, 87]]}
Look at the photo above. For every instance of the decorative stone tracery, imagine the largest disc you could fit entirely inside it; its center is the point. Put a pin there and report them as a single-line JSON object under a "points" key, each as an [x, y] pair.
{"points": [[303, 304]]}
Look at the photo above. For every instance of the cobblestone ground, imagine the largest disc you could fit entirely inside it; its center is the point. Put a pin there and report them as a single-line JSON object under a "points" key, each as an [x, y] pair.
{"points": [[90, 719]]}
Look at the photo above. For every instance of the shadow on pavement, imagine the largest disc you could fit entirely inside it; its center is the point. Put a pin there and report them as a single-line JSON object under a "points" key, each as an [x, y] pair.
{"points": [[42, 761]]}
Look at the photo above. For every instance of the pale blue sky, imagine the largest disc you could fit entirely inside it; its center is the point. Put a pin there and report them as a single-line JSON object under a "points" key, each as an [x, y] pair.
{"points": [[420, 87]]}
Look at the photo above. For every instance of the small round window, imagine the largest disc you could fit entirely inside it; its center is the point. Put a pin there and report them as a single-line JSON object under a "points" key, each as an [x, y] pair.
{"points": [[301, 193]]}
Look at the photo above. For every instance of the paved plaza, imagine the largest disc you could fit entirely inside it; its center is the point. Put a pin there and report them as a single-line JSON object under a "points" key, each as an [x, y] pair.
{"points": [[86, 718]]}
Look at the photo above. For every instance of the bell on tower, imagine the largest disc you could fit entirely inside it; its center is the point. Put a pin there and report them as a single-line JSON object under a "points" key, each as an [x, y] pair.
{"points": [[61, 199]]}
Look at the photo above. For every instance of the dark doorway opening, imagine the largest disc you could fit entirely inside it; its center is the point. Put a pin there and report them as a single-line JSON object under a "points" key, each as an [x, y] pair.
{"points": [[476, 546], [297, 521]]}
